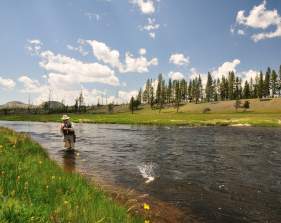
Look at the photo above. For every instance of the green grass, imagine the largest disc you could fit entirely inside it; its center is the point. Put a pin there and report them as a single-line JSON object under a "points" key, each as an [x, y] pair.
{"points": [[35, 189], [261, 113], [163, 118]]}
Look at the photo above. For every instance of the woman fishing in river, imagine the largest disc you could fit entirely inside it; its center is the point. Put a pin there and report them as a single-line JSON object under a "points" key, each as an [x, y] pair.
{"points": [[67, 129]]}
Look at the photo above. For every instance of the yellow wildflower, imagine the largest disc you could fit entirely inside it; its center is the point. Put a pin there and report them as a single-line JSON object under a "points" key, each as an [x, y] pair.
{"points": [[146, 221], [53, 177], [65, 202], [40, 162], [146, 206]]}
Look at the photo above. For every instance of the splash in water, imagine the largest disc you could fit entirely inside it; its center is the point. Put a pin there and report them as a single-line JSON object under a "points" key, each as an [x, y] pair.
{"points": [[147, 172]]}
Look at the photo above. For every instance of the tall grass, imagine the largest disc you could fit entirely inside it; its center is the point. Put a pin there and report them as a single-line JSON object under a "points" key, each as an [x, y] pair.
{"points": [[35, 189]]}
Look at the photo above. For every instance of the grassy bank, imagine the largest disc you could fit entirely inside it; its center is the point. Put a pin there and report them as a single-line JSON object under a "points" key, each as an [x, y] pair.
{"points": [[261, 113], [35, 189]]}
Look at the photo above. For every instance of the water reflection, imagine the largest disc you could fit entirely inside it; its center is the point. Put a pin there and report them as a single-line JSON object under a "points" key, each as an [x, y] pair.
{"points": [[69, 160]]}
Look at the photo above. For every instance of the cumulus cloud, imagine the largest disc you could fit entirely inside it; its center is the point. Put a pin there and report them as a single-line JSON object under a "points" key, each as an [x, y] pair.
{"points": [[145, 6], [63, 68], [30, 85], [125, 96], [7, 84], [112, 57], [138, 64], [225, 68], [65, 75], [105, 54], [261, 18], [247, 75], [179, 59], [176, 75]]}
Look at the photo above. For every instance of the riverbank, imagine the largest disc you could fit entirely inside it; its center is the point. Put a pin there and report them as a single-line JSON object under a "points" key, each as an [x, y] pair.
{"points": [[35, 189], [264, 113], [164, 118]]}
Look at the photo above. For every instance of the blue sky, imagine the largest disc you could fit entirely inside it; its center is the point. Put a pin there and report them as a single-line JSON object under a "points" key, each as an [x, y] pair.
{"points": [[109, 48]]}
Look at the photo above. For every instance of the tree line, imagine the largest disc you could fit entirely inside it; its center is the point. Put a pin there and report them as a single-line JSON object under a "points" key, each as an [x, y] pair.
{"points": [[229, 87]]}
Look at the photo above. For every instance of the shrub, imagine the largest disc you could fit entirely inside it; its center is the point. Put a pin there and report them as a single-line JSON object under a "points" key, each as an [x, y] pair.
{"points": [[205, 110]]}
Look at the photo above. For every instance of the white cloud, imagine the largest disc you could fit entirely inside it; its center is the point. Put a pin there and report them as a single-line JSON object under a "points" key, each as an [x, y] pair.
{"points": [[125, 96], [247, 75], [241, 32], [78, 49], [103, 53], [232, 29], [150, 27], [34, 46], [112, 57], [70, 70], [145, 6], [6, 83], [142, 51], [261, 18], [176, 75], [225, 68], [30, 86], [179, 59], [152, 35], [139, 64]]}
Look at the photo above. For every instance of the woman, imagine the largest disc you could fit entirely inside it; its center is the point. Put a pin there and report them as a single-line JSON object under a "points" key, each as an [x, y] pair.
{"points": [[68, 132]]}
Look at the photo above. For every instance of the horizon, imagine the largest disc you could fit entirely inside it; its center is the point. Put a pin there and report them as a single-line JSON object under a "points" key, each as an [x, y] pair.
{"points": [[110, 49]]}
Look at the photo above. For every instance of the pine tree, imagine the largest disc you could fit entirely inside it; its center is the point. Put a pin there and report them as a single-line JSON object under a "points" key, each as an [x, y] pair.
{"points": [[266, 85], [151, 95], [131, 105], [189, 91], [260, 86], [246, 90], [177, 94], [200, 88], [139, 97], [231, 81], [279, 81], [274, 83], [145, 96], [169, 91], [159, 90], [209, 88], [251, 88], [222, 88]]}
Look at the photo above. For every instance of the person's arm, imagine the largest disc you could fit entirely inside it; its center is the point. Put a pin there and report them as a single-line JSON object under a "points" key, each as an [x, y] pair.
{"points": [[61, 128]]}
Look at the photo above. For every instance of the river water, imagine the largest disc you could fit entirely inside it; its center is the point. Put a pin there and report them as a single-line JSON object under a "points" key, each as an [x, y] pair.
{"points": [[221, 174]]}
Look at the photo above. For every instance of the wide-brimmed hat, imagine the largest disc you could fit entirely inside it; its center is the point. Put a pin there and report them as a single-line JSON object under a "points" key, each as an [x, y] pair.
{"points": [[65, 117]]}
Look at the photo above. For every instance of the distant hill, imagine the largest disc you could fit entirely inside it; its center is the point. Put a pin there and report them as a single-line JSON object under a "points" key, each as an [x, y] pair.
{"points": [[14, 104]]}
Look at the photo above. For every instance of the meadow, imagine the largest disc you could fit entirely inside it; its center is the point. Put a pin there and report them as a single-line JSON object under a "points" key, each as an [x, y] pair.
{"points": [[261, 113], [34, 188]]}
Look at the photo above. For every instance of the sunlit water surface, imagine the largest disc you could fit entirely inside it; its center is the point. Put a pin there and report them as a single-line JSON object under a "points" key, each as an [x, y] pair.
{"points": [[221, 174]]}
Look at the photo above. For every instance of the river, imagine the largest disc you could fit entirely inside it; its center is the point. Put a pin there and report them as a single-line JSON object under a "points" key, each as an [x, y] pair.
{"points": [[221, 174]]}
